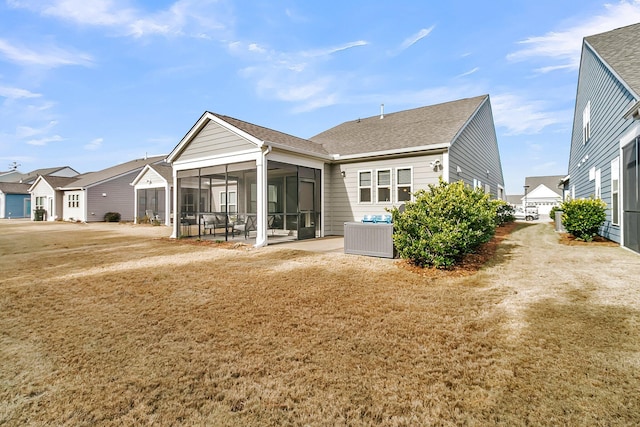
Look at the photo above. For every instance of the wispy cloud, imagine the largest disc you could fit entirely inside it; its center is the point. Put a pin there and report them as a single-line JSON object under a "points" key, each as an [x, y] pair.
{"points": [[468, 73], [295, 77], [23, 132], [518, 115], [45, 140], [563, 47], [17, 93], [415, 38], [49, 56], [193, 18], [94, 144]]}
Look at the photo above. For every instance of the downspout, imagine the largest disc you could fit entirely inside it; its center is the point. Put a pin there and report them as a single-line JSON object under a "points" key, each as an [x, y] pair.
{"points": [[262, 221]]}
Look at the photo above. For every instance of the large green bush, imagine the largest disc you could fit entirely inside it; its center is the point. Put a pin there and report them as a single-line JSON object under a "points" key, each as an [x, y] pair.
{"points": [[504, 211], [112, 217], [583, 217], [443, 224]]}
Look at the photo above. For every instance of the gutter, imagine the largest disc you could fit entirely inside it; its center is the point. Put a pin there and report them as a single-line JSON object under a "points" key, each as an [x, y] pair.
{"points": [[338, 157]]}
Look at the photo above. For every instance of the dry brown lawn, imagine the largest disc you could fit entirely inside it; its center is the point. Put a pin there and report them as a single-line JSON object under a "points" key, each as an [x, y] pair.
{"points": [[109, 324]]}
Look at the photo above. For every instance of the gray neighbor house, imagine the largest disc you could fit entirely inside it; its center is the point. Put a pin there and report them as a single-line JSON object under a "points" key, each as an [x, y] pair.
{"points": [[605, 141], [307, 188]]}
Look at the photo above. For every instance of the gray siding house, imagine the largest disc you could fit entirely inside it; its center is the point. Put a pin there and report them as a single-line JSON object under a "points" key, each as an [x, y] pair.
{"points": [[603, 160], [285, 185]]}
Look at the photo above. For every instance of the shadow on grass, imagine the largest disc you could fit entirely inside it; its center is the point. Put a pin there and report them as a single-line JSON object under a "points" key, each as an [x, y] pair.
{"points": [[574, 364]]}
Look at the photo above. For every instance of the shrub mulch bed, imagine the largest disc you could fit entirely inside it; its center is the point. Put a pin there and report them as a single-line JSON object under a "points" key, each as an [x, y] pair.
{"points": [[570, 240]]}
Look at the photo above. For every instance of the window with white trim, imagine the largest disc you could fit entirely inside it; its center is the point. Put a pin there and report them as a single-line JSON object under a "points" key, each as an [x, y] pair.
{"points": [[404, 184], [615, 191], [364, 186], [233, 202], [383, 185], [74, 201], [487, 188], [477, 183], [598, 192], [586, 123], [40, 202]]}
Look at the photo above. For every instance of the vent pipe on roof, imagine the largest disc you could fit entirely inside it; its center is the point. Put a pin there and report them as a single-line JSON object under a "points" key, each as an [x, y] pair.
{"points": [[381, 111]]}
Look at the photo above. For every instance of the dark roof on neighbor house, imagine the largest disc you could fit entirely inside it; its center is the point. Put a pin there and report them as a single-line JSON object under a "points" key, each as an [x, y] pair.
{"points": [[620, 48], [59, 181], [551, 182], [14, 188], [515, 199], [274, 136], [30, 177], [431, 125], [92, 178]]}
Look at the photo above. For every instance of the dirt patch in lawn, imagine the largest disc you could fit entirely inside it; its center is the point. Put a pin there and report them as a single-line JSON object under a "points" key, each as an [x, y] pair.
{"points": [[104, 324], [570, 240]]}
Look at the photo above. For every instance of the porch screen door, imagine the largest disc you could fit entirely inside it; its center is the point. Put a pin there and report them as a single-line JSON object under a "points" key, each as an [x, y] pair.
{"points": [[631, 195], [307, 212]]}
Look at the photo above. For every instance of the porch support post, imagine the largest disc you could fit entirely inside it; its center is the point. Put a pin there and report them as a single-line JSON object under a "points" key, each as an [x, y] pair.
{"points": [[261, 211], [176, 209], [168, 195]]}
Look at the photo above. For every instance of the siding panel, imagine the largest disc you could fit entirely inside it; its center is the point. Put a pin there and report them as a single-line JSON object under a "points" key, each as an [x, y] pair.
{"points": [[214, 140]]}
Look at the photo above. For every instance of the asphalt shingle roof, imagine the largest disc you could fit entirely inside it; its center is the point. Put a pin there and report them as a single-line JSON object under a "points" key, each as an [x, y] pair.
{"points": [[550, 182], [270, 135], [14, 188], [620, 48], [91, 178], [431, 125]]}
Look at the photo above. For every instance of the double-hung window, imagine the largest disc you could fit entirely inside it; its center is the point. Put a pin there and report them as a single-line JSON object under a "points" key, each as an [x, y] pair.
{"points": [[74, 200], [364, 186], [40, 201], [615, 191], [404, 183], [231, 201], [586, 123], [383, 183], [598, 192]]}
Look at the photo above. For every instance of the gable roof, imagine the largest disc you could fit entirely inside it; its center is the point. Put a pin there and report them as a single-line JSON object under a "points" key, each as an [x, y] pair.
{"points": [[274, 136], [620, 48], [551, 182], [14, 188], [423, 127], [163, 169], [55, 182], [92, 178]]}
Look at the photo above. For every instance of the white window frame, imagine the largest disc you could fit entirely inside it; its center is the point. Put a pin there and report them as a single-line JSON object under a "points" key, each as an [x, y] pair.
{"points": [[40, 202], [615, 191], [369, 187], [399, 186], [233, 207], [487, 188], [598, 189], [73, 201], [586, 123], [386, 186]]}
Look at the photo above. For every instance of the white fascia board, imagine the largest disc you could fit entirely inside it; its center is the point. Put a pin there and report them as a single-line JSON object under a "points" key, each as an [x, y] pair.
{"points": [[140, 175], [241, 156], [629, 137], [298, 150], [610, 68], [434, 147]]}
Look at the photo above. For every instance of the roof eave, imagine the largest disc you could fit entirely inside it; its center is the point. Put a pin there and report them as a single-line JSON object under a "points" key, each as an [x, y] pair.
{"points": [[421, 148]]}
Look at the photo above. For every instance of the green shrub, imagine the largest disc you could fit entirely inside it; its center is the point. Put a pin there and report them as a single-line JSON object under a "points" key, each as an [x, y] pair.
{"points": [[504, 212], [583, 217], [443, 224], [552, 212], [112, 217]]}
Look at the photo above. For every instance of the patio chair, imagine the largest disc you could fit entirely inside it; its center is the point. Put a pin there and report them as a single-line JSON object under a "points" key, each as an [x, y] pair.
{"points": [[245, 225], [213, 221]]}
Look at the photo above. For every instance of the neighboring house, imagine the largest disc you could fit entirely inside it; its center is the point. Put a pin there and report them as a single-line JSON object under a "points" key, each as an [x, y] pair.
{"points": [[515, 200], [152, 188], [15, 201], [605, 141], [543, 192], [29, 178], [89, 196], [45, 194], [310, 188]]}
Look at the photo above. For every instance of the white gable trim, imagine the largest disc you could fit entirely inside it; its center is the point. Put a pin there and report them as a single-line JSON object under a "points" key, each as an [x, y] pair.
{"points": [[200, 124], [142, 173]]}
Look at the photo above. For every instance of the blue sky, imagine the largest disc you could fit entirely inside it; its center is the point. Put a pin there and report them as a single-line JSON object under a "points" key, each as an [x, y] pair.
{"points": [[93, 83]]}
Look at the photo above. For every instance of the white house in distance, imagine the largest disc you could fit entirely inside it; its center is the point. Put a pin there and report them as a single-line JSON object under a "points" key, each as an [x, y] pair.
{"points": [[89, 196], [543, 192], [309, 188]]}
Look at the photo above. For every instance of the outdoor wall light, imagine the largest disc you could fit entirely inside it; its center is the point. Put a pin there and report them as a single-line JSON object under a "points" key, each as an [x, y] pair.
{"points": [[343, 173], [458, 170], [104, 194]]}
